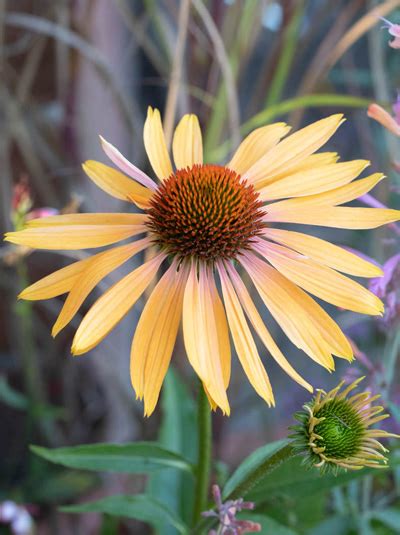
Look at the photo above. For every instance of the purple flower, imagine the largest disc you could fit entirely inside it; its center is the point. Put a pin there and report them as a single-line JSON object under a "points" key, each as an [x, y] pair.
{"points": [[387, 288], [394, 31], [226, 514]]}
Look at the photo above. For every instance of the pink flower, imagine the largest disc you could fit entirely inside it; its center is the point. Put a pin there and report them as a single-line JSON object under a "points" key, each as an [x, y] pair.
{"points": [[394, 30]]}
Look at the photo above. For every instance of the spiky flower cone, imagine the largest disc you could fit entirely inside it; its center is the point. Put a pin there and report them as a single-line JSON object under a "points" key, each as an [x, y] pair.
{"points": [[335, 430]]}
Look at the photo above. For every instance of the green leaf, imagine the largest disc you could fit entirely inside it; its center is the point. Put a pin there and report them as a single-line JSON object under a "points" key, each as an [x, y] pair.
{"points": [[390, 517], [294, 479], [269, 526], [135, 458], [337, 525], [12, 397], [251, 464], [141, 507], [178, 433]]}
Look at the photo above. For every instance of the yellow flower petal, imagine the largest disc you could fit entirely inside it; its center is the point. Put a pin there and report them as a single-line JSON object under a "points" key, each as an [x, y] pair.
{"points": [[315, 180], [113, 305], [57, 283], [73, 237], [321, 280], [336, 196], [101, 265], [324, 252], [126, 166], [154, 142], [244, 343], [292, 150], [336, 216], [202, 340], [261, 329], [88, 219], [187, 145], [305, 323], [155, 336], [255, 145], [116, 184]]}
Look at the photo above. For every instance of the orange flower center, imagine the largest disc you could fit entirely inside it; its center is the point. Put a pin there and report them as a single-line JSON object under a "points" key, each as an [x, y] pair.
{"points": [[207, 212]]}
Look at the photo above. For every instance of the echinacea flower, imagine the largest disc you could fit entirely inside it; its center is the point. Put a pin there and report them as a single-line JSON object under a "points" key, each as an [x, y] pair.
{"points": [[205, 222], [335, 430], [394, 31]]}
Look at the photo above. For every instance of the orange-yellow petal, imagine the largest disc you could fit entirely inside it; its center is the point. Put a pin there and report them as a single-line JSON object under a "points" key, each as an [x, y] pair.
{"points": [[57, 283], [336, 216], [202, 340], [100, 266], [314, 180], [113, 305], [384, 118], [155, 336], [324, 252], [73, 236], [126, 166], [333, 197], [255, 145], [187, 145], [244, 343], [307, 325], [88, 219], [261, 329], [292, 150], [116, 184], [320, 280], [156, 147]]}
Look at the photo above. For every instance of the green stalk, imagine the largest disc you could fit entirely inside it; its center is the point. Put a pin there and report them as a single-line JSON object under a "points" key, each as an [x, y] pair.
{"points": [[284, 107], [204, 454]]}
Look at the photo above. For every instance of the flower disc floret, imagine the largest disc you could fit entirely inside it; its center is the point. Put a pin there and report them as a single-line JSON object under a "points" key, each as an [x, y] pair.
{"points": [[207, 212]]}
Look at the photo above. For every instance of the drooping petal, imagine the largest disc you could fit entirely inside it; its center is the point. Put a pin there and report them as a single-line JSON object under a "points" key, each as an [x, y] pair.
{"points": [[305, 323], [187, 145], [156, 147], [88, 219], [333, 197], [292, 150], [113, 305], [261, 329], [202, 340], [116, 184], [244, 343], [384, 118], [335, 216], [255, 145], [320, 280], [324, 252], [100, 266], [126, 166], [74, 236], [57, 283], [314, 180], [155, 336]]}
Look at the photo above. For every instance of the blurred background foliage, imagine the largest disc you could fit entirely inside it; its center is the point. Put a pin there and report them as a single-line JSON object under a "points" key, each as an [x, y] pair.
{"points": [[72, 69]]}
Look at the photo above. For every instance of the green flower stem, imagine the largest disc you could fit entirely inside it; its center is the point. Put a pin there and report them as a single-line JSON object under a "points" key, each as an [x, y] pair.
{"points": [[254, 477], [258, 474], [204, 454]]}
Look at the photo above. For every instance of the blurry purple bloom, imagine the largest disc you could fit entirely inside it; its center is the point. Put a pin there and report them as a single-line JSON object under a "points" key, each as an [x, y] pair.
{"points": [[18, 518], [226, 514], [394, 30], [387, 288]]}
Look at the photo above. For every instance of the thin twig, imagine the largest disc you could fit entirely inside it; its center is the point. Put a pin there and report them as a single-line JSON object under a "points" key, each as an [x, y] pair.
{"points": [[231, 93], [176, 72]]}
